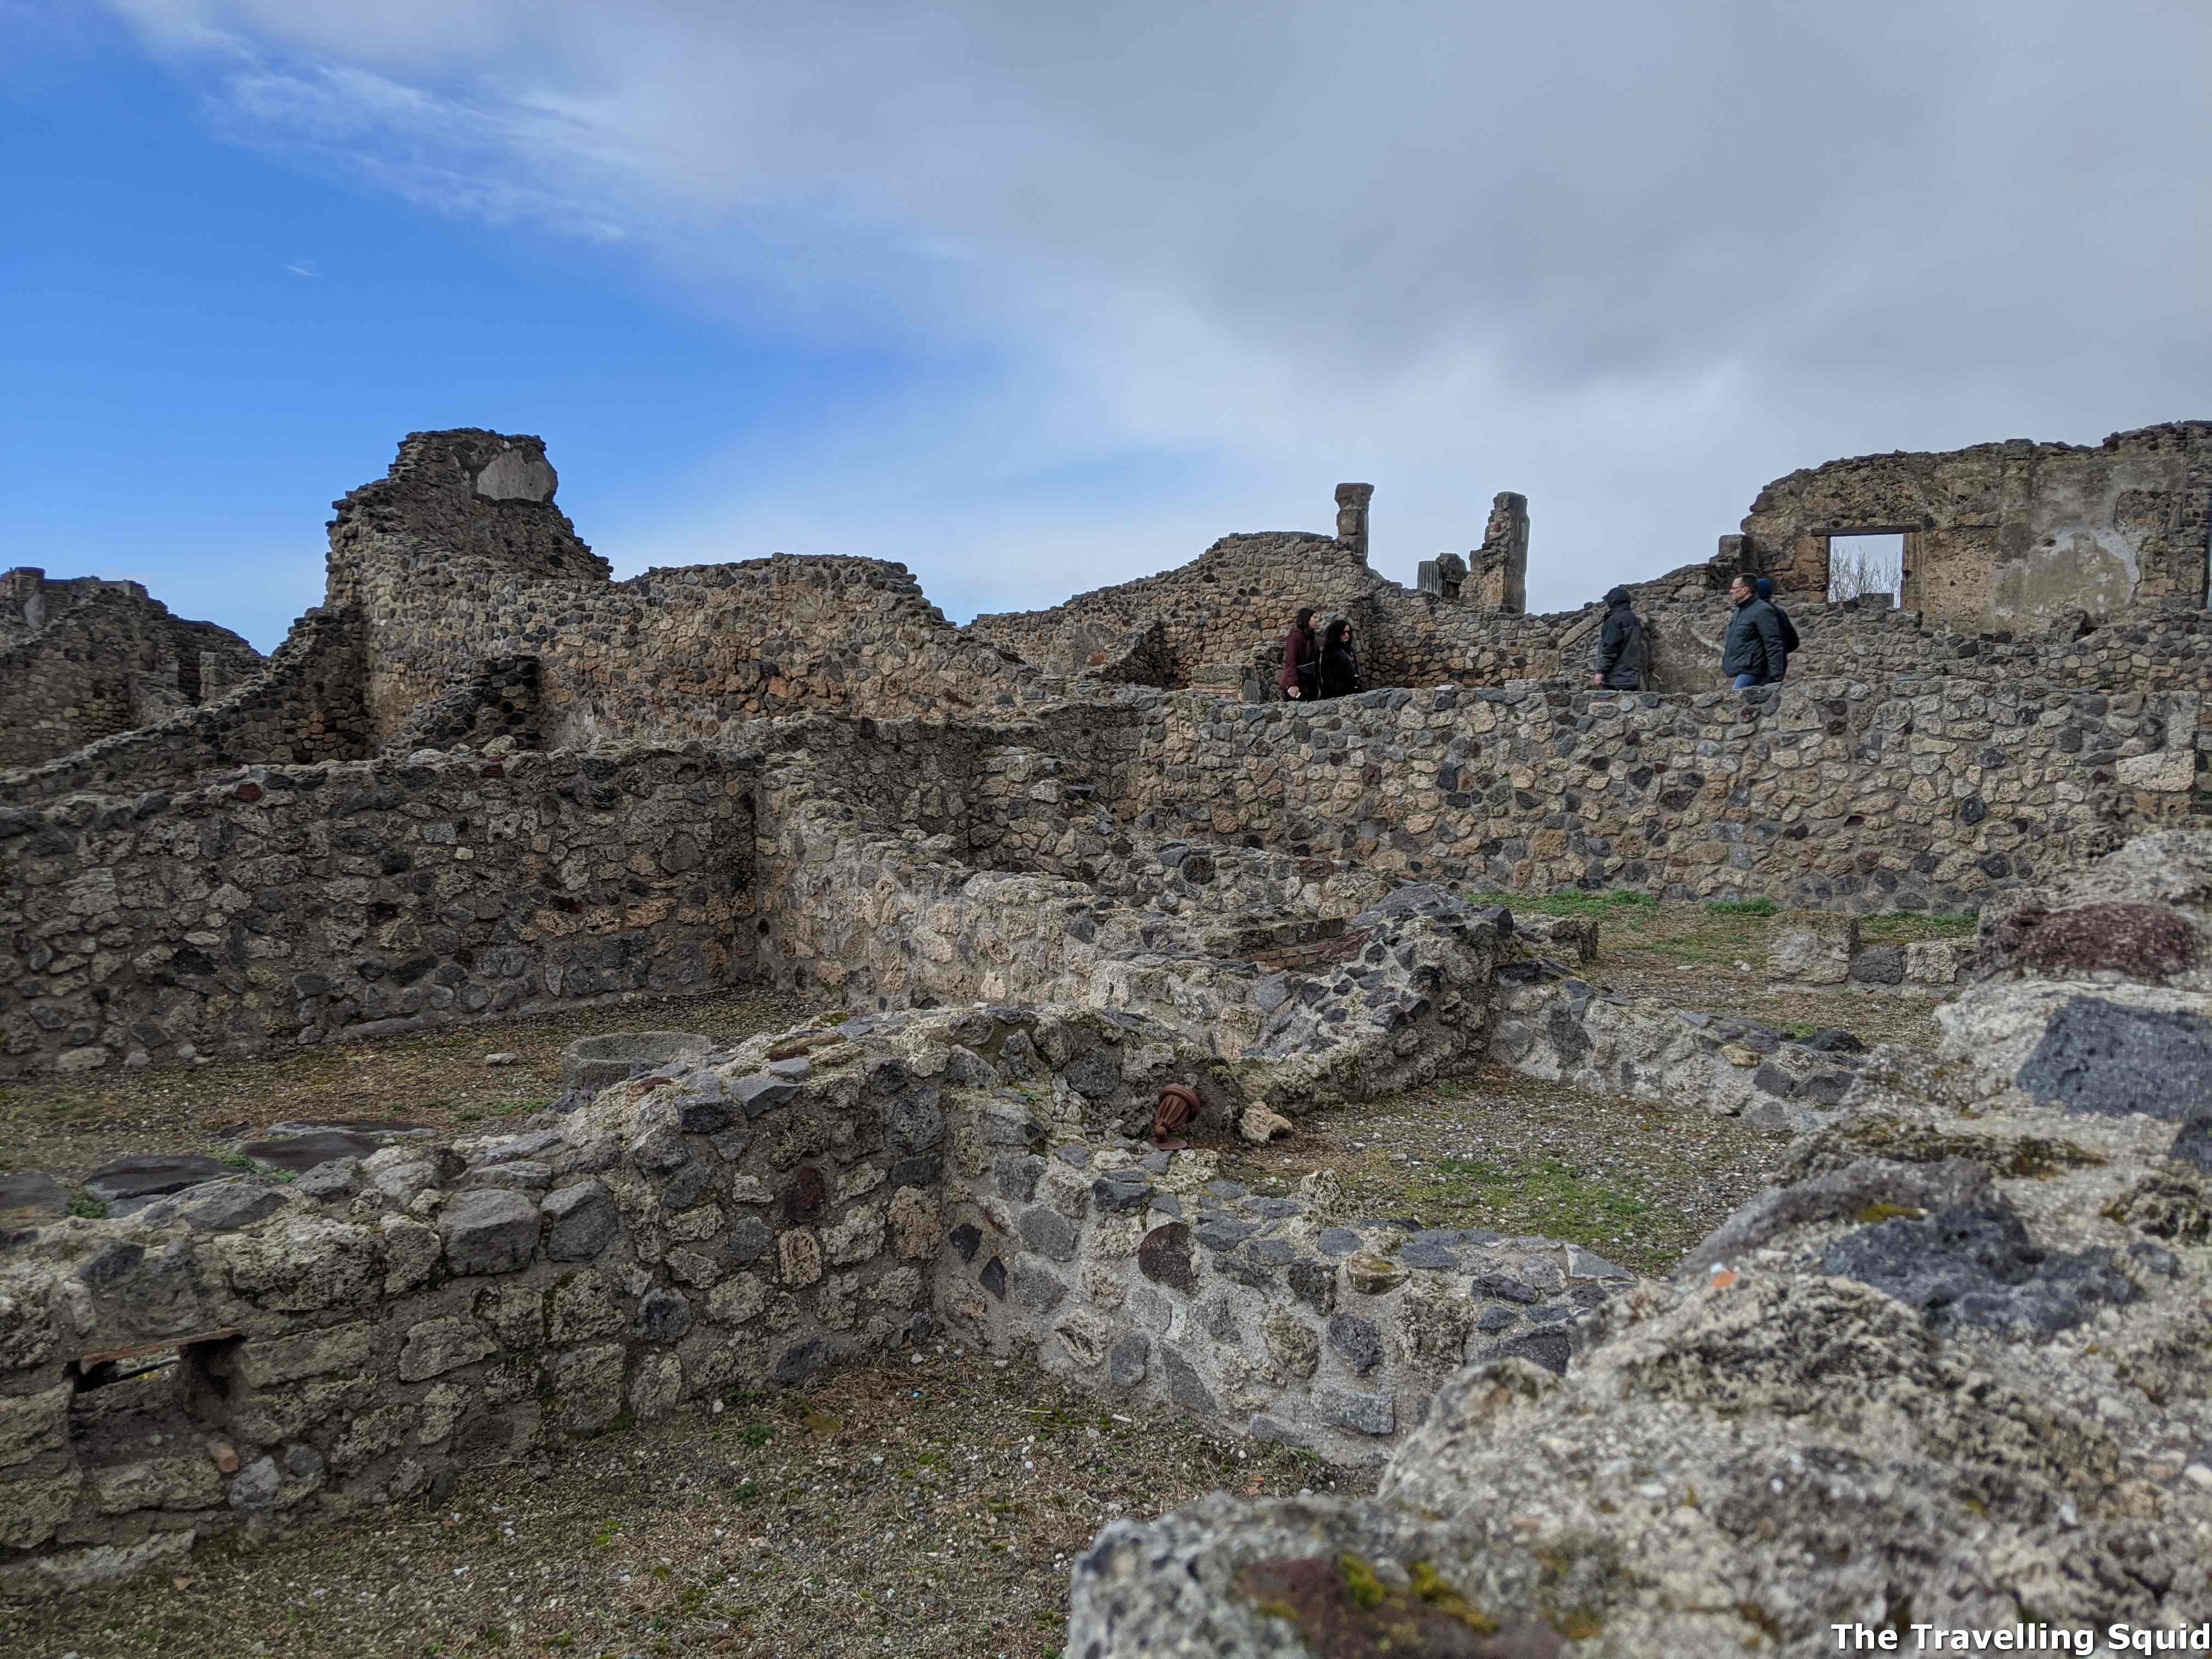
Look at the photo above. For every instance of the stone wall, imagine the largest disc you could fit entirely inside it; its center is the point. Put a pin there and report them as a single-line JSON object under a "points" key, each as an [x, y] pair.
{"points": [[300, 904], [495, 709], [1140, 1276], [357, 1338], [446, 576], [359, 1335], [2001, 535], [1823, 795], [83, 659], [876, 919], [304, 705]]}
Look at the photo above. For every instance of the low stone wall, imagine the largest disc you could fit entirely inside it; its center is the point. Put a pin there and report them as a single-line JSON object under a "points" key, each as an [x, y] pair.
{"points": [[1824, 795], [299, 904], [358, 1336], [1551, 1025], [304, 707], [878, 922], [1140, 1276], [1827, 951]]}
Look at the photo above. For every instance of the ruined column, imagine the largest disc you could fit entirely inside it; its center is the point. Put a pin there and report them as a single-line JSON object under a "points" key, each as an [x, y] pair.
{"points": [[1500, 572], [1351, 500], [1443, 576]]}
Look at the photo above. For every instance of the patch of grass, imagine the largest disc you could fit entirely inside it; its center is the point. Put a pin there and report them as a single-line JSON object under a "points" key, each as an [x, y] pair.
{"points": [[1545, 1195], [1755, 907], [1903, 928], [756, 1434]]}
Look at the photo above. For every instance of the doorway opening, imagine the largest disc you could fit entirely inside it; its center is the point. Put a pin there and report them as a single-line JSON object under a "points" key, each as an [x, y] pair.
{"points": [[1865, 567]]}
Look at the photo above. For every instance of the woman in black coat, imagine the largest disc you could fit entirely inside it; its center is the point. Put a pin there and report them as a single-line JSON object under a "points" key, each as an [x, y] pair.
{"points": [[1340, 664]]}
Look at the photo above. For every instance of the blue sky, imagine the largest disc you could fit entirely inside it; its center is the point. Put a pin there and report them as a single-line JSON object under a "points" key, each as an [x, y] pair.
{"points": [[1036, 299]]}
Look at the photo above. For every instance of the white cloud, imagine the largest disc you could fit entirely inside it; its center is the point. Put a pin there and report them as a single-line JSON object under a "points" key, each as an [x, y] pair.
{"points": [[1632, 261]]}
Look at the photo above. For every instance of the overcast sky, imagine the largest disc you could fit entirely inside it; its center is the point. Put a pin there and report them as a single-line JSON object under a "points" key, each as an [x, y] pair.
{"points": [[1038, 297]]}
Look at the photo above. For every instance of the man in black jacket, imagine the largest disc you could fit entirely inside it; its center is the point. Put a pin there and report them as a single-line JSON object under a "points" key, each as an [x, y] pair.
{"points": [[1621, 658], [1752, 652], [1764, 586]]}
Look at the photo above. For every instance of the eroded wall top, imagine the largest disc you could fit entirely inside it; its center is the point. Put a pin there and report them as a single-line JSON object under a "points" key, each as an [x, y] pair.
{"points": [[2009, 535]]}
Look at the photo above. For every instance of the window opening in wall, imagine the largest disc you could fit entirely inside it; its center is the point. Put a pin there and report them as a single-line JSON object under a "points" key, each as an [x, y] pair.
{"points": [[1861, 565]]}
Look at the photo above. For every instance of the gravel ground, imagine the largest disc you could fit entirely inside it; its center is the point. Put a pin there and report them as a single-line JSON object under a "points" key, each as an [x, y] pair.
{"points": [[1873, 1016], [68, 1127], [1636, 1182], [929, 1507]]}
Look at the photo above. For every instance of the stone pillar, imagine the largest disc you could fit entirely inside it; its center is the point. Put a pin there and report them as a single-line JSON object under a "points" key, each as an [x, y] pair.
{"points": [[1442, 575], [1500, 575], [1351, 500]]}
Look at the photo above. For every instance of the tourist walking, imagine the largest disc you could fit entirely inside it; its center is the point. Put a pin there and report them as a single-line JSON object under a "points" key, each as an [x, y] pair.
{"points": [[1620, 660], [1752, 652], [1340, 663], [1765, 585], [1301, 676]]}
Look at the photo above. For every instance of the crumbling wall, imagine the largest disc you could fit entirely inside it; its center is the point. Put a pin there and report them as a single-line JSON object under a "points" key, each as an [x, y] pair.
{"points": [[359, 1338], [447, 576], [293, 905], [2009, 534], [1235, 599], [304, 705], [83, 659], [1143, 1278], [1498, 576]]}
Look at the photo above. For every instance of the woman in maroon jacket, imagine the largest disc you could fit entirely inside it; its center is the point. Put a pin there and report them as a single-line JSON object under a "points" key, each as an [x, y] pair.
{"points": [[1301, 676]]}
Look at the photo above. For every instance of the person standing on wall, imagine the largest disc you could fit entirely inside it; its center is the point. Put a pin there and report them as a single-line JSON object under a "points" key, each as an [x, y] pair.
{"points": [[1752, 652], [1620, 659], [1300, 679], [1765, 585], [1340, 663]]}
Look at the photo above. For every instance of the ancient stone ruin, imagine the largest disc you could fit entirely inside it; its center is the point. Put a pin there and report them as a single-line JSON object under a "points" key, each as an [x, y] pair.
{"points": [[1038, 869]]}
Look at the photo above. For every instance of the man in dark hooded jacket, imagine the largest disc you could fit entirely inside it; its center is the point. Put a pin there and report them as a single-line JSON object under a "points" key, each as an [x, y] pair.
{"points": [[1765, 587], [1619, 659], [1752, 653]]}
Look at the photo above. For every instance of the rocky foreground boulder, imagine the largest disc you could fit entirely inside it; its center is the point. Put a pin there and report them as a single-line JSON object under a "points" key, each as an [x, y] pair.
{"points": [[1954, 1370]]}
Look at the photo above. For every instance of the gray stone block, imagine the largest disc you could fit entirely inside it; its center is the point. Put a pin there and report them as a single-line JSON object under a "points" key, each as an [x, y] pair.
{"points": [[490, 1231], [1049, 1233], [1126, 1361], [1358, 1339], [581, 1221], [1364, 1413]]}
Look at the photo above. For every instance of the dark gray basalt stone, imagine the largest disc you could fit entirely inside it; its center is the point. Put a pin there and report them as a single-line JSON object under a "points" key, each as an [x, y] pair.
{"points": [[2111, 1060], [301, 1153], [581, 1221], [35, 1191], [151, 1177], [1975, 1264]]}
